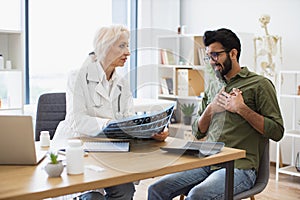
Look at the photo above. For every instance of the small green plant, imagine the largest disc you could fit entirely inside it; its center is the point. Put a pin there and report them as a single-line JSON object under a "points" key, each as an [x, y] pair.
{"points": [[188, 109], [53, 158], [54, 168]]}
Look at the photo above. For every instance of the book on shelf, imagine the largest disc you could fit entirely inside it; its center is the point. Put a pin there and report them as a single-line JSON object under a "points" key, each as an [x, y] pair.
{"points": [[167, 85], [201, 56], [163, 57], [182, 82], [190, 82], [167, 57], [170, 85], [164, 86]]}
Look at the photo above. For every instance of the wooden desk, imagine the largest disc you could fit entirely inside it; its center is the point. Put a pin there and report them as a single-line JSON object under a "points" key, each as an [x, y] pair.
{"points": [[145, 160]]}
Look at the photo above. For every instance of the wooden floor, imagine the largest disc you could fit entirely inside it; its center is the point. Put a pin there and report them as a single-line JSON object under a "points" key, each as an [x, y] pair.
{"points": [[288, 188]]}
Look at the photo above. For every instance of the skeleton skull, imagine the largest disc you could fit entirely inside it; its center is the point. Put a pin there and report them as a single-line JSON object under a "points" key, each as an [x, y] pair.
{"points": [[264, 20]]}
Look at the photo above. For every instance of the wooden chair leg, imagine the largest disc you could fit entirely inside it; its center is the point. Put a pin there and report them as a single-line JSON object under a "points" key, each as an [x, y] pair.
{"points": [[252, 198], [181, 197], [280, 158]]}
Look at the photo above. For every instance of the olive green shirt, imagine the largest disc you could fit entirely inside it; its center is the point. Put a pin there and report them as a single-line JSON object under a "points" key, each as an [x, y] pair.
{"points": [[260, 95]]}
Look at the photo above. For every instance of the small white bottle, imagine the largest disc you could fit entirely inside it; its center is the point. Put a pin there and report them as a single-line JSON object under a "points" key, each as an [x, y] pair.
{"points": [[44, 139], [8, 64], [183, 29], [1, 62], [74, 157]]}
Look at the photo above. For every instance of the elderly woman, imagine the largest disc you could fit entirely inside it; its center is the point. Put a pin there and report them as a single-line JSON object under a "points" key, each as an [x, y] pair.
{"points": [[97, 94]]}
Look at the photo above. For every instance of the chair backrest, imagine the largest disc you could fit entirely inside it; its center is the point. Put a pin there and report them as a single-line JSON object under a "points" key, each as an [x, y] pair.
{"points": [[262, 176], [51, 109]]}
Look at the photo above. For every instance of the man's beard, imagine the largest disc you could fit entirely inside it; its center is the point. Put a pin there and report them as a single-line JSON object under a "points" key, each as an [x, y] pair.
{"points": [[227, 66]]}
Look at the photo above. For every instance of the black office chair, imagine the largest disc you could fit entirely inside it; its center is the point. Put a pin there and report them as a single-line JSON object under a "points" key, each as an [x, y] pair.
{"points": [[261, 180], [51, 109]]}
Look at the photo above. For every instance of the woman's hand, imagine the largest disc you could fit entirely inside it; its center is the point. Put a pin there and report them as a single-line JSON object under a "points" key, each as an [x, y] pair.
{"points": [[162, 135]]}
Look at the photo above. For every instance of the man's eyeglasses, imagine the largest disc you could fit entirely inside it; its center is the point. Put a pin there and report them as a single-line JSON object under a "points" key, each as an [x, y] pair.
{"points": [[214, 56]]}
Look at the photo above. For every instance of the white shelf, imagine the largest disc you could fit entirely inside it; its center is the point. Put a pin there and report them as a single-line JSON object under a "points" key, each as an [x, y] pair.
{"points": [[10, 31], [11, 93], [293, 96], [10, 108], [12, 49], [177, 36], [290, 170], [10, 70], [146, 105], [292, 133], [288, 84], [5, 108], [290, 72], [175, 97], [195, 67]]}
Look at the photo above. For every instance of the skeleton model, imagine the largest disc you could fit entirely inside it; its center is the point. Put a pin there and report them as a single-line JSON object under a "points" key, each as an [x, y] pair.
{"points": [[266, 48]]}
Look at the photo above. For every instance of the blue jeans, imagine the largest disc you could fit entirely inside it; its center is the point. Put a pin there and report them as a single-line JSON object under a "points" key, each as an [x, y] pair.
{"points": [[200, 183], [119, 192]]}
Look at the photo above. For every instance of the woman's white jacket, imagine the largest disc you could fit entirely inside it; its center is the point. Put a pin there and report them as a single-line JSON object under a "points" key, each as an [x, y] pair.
{"points": [[90, 105]]}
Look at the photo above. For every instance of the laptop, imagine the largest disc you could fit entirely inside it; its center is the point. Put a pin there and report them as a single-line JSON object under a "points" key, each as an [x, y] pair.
{"points": [[17, 146]]}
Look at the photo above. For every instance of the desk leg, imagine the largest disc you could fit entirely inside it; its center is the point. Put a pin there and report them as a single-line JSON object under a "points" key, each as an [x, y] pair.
{"points": [[229, 179]]}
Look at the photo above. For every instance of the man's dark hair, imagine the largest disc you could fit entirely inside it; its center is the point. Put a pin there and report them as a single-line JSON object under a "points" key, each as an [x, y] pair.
{"points": [[226, 37]]}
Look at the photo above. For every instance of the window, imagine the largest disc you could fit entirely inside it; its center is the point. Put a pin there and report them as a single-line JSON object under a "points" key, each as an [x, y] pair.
{"points": [[60, 37]]}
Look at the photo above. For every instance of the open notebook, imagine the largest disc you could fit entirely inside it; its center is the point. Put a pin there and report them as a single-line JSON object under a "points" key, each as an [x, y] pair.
{"points": [[106, 146]]}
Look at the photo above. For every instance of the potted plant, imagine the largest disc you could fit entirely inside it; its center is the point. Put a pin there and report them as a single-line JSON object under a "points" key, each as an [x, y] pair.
{"points": [[55, 167], [188, 112]]}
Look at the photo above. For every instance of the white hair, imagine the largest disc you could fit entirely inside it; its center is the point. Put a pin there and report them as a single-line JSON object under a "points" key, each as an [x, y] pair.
{"points": [[105, 38]]}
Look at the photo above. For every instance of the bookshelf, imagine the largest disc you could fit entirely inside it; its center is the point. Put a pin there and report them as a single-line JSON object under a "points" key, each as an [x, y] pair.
{"points": [[289, 99], [181, 49], [181, 63], [12, 50], [181, 70], [11, 92]]}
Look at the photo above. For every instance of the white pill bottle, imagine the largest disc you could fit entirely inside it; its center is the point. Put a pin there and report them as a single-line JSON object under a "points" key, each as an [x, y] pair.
{"points": [[74, 157], [44, 139]]}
